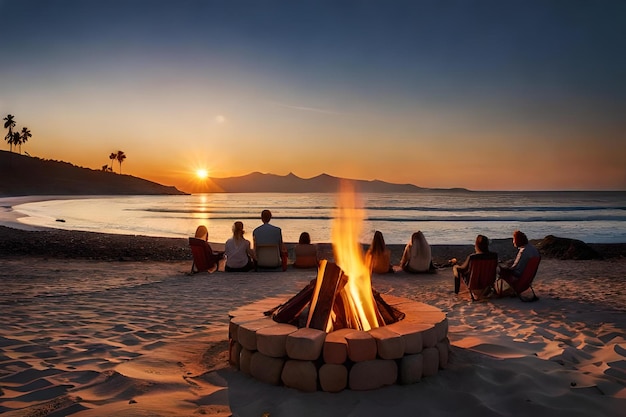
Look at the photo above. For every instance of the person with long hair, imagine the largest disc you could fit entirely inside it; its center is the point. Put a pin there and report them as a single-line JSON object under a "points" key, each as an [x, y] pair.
{"points": [[417, 256], [239, 255], [378, 256]]}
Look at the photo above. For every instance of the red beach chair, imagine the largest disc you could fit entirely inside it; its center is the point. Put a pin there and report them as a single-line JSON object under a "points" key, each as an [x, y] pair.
{"points": [[480, 277], [204, 258], [525, 281]]}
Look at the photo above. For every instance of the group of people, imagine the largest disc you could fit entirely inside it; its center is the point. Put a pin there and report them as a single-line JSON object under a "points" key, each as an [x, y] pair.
{"points": [[238, 251], [507, 272], [416, 257]]}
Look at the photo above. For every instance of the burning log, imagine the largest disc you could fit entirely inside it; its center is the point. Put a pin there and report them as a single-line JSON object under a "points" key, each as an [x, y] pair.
{"points": [[330, 280], [290, 311], [329, 304]]}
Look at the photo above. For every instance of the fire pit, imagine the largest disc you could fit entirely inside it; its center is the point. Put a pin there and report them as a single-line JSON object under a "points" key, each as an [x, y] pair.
{"points": [[311, 359], [338, 332]]}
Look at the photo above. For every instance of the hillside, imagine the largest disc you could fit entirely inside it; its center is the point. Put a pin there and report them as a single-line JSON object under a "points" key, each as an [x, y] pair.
{"points": [[24, 175]]}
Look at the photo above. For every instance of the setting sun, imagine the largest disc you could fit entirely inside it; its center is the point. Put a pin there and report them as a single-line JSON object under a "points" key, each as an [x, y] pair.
{"points": [[202, 174]]}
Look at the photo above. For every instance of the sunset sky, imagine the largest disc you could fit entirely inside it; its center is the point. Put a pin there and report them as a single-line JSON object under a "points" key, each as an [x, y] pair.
{"points": [[486, 95]]}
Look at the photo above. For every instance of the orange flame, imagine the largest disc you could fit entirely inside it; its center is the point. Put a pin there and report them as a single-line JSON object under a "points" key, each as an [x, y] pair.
{"points": [[346, 232]]}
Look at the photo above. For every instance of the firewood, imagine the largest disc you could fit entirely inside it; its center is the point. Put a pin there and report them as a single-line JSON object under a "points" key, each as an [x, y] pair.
{"points": [[328, 278]]}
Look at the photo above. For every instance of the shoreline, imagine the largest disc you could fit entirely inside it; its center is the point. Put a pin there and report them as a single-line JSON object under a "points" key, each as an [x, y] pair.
{"points": [[67, 244]]}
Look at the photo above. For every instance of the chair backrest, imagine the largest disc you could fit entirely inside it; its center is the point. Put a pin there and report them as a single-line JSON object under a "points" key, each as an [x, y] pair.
{"points": [[203, 256], [528, 275], [482, 273], [268, 256]]}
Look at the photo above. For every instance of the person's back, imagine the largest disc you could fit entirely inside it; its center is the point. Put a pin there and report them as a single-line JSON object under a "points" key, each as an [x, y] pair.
{"points": [[524, 253], [378, 257], [417, 255], [267, 234], [481, 252], [305, 252]]}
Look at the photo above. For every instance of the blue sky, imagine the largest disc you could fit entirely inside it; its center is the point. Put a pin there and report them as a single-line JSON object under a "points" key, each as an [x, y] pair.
{"points": [[503, 95]]}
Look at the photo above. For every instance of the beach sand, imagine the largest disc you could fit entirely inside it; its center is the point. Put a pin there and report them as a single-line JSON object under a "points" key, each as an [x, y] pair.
{"points": [[131, 333]]}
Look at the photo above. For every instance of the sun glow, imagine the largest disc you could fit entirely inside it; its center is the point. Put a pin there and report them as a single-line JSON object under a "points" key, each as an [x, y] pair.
{"points": [[202, 173]]}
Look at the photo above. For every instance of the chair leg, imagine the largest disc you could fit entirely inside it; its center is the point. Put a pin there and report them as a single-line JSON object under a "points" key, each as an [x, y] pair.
{"points": [[193, 265], [533, 298]]}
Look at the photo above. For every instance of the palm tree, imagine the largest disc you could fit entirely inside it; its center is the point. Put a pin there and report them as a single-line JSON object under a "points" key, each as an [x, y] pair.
{"points": [[10, 124], [112, 157], [17, 139], [24, 137], [120, 158]]}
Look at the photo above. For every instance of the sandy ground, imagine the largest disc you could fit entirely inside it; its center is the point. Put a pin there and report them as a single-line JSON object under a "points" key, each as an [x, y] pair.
{"points": [[145, 338], [131, 337]]}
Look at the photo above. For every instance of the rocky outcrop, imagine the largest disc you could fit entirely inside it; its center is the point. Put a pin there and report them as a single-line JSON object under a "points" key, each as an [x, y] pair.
{"points": [[565, 248]]}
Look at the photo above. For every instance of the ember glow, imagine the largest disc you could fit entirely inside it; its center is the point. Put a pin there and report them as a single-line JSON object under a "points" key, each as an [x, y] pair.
{"points": [[357, 297]]}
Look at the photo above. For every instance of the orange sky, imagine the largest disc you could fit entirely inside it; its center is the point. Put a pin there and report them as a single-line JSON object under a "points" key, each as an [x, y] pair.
{"points": [[520, 98]]}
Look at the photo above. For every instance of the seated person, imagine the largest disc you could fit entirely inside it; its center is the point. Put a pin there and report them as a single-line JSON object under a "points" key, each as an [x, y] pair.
{"points": [[202, 233], [306, 253], [268, 234], [239, 255], [378, 256], [417, 257], [525, 251], [481, 251]]}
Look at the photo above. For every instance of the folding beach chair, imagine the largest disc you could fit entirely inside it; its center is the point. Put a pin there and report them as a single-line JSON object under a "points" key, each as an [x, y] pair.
{"points": [[525, 281], [204, 258], [269, 257], [480, 277]]}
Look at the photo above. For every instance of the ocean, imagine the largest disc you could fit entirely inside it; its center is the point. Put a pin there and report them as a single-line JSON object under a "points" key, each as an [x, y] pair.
{"points": [[445, 217]]}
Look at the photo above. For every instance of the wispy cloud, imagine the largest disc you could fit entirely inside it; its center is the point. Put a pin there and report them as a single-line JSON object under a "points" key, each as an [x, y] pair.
{"points": [[304, 108]]}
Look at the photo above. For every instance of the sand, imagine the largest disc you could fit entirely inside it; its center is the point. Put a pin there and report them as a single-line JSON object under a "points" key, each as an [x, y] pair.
{"points": [[123, 336]]}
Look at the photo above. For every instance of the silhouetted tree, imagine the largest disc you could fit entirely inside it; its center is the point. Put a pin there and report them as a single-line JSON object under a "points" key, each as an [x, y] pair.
{"points": [[112, 157], [9, 123], [120, 158], [24, 137], [17, 139]]}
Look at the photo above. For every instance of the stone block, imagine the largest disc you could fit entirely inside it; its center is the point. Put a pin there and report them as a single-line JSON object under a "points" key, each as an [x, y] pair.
{"points": [[266, 369], [272, 340], [444, 351], [441, 329], [305, 344], [335, 348], [412, 335], [246, 332], [389, 344], [234, 352], [233, 328], [373, 374], [301, 375], [361, 346], [431, 361], [333, 377], [244, 360], [411, 368]]}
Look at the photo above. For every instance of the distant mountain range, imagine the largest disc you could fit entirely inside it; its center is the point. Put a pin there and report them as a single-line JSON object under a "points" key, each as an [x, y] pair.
{"points": [[291, 183], [25, 175]]}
